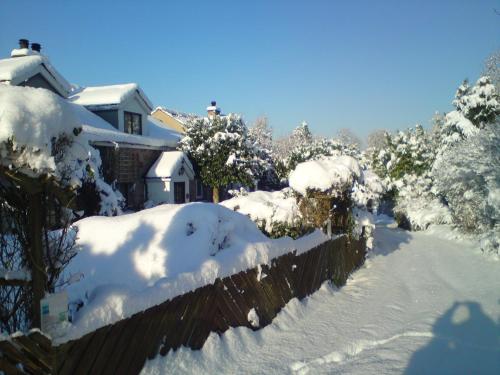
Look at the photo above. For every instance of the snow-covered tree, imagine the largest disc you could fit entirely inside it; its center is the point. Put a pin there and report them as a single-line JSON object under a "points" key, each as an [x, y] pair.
{"points": [[404, 162], [476, 107], [467, 175], [262, 134], [220, 147], [261, 137], [406, 152], [301, 134]]}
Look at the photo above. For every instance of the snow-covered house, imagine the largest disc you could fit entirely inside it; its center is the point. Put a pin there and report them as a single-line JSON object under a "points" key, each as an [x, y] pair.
{"points": [[115, 120], [141, 139], [125, 106], [170, 179]]}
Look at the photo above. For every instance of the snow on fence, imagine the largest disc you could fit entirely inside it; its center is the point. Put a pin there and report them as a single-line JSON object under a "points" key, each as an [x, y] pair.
{"points": [[250, 298]]}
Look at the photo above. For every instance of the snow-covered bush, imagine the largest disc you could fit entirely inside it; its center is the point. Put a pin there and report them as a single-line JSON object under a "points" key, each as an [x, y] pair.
{"points": [[467, 175], [416, 206]]}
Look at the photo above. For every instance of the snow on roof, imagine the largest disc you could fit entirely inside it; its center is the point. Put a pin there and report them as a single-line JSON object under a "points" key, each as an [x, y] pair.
{"points": [[168, 163], [15, 70], [16, 67], [108, 95], [98, 130], [132, 262], [18, 52], [33, 117], [325, 174], [158, 130], [182, 117]]}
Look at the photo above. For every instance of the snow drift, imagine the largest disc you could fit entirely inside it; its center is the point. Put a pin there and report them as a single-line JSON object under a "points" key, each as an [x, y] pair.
{"points": [[129, 263]]}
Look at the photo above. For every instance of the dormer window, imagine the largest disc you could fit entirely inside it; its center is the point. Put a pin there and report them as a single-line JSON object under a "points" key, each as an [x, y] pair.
{"points": [[133, 123]]}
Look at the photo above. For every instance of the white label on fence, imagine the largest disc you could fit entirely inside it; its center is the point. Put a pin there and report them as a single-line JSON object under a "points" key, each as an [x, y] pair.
{"points": [[54, 310]]}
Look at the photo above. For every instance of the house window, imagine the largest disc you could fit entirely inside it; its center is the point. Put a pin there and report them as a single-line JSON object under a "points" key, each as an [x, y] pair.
{"points": [[133, 123]]}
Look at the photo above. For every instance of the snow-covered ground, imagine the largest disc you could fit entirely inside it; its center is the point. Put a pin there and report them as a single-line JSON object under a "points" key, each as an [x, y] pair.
{"points": [[424, 303]]}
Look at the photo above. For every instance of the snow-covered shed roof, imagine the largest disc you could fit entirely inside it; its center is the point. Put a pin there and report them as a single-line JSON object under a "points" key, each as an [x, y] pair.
{"points": [[98, 131], [15, 70], [108, 96], [168, 164]]}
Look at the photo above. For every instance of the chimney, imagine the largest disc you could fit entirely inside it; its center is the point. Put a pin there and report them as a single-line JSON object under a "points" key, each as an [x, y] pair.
{"points": [[213, 110], [36, 47], [24, 43]]}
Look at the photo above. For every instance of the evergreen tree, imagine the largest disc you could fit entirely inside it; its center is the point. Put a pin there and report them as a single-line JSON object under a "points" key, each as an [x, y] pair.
{"points": [[221, 149], [476, 107], [301, 134], [261, 134]]}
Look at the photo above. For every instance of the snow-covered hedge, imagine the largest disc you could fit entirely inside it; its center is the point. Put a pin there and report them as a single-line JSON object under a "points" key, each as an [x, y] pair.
{"points": [[329, 189], [276, 213], [40, 135], [467, 175]]}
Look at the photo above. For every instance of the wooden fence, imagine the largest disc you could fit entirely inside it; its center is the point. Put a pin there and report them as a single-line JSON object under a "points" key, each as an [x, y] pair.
{"points": [[26, 354], [188, 319]]}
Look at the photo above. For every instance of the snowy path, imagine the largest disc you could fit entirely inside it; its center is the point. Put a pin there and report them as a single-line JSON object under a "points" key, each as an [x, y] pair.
{"points": [[421, 304]]}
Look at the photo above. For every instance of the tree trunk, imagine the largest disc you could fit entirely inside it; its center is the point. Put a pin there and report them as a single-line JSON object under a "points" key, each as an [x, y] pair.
{"points": [[215, 194], [38, 277]]}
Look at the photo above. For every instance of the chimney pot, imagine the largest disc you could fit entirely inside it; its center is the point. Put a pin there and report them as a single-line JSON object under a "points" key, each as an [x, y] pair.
{"points": [[36, 47], [24, 43]]}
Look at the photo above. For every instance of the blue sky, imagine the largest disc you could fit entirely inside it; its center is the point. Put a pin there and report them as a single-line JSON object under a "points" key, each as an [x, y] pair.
{"points": [[362, 65]]}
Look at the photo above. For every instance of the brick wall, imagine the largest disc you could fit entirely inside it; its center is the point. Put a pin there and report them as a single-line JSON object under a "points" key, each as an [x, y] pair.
{"points": [[128, 166]]}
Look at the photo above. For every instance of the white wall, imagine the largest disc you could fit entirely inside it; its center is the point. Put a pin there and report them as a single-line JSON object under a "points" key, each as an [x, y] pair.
{"points": [[162, 191], [159, 190]]}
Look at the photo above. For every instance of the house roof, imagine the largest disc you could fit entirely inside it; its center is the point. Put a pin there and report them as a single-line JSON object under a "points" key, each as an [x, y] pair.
{"points": [[16, 70], [108, 96], [98, 130], [182, 117], [168, 163], [158, 130]]}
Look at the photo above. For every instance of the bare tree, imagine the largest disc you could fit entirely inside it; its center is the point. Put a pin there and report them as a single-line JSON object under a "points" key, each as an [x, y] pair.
{"points": [[376, 139], [492, 69], [348, 137]]}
